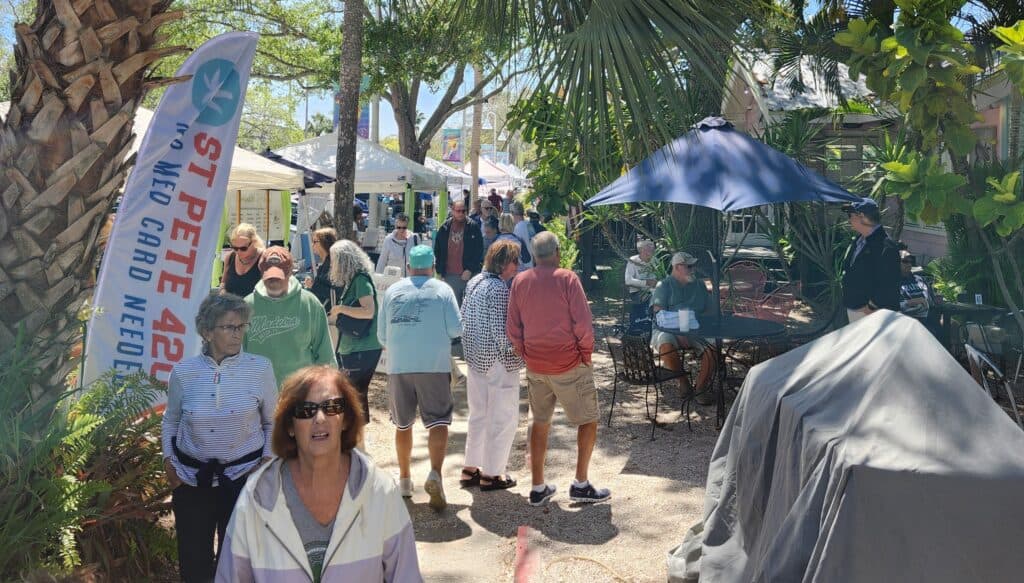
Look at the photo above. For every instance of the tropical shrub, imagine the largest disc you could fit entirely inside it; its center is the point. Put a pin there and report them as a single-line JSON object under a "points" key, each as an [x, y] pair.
{"points": [[80, 476]]}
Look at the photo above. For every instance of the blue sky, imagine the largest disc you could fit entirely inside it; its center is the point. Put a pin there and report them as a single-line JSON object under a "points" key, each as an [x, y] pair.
{"points": [[427, 103]]}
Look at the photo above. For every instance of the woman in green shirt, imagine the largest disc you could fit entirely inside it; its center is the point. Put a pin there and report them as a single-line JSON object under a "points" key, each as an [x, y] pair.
{"points": [[358, 349]]}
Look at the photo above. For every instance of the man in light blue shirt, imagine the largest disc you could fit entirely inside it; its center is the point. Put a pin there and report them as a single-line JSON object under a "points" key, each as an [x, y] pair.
{"points": [[419, 318]]}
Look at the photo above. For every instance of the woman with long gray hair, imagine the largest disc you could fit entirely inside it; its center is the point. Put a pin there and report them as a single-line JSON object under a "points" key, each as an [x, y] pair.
{"points": [[216, 430], [358, 349]]}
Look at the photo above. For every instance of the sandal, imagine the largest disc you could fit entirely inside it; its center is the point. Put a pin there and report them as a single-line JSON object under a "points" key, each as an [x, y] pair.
{"points": [[498, 483], [472, 480]]}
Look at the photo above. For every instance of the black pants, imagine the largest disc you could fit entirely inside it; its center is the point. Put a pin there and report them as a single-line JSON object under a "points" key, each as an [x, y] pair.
{"points": [[360, 367], [198, 512]]}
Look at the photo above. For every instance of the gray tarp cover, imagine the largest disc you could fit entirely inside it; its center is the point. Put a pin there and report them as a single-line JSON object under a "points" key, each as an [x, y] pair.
{"points": [[868, 455]]}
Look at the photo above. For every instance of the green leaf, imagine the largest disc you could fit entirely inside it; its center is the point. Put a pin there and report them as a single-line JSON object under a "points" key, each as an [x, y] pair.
{"points": [[902, 172], [960, 139], [913, 77], [986, 210]]}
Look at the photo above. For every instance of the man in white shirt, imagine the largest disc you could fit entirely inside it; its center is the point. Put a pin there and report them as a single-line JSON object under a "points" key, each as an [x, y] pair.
{"points": [[640, 279], [522, 228]]}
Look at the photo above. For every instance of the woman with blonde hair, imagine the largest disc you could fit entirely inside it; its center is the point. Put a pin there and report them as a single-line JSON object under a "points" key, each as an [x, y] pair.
{"points": [[355, 308], [240, 272], [321, 511], [506, 228]]}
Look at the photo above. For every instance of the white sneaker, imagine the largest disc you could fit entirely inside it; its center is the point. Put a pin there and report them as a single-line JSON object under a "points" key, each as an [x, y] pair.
{"points": [[406, 487], [434, 487]]}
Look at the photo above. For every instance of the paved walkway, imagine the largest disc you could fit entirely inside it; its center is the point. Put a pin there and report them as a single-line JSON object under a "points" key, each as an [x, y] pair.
{"points": [[657, 492]]}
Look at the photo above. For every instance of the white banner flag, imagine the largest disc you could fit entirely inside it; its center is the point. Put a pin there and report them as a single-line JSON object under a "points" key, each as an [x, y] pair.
{"points": [[157, 265]]}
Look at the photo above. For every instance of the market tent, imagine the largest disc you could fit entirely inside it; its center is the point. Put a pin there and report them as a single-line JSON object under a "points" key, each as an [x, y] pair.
{"points": [[496, 178], [249, 171], [867, 455], [377, 168], [457, 179]]}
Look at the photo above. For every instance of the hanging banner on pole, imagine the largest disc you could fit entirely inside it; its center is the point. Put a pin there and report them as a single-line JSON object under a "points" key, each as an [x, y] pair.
{"points": [[451, 145], [156, 267]]}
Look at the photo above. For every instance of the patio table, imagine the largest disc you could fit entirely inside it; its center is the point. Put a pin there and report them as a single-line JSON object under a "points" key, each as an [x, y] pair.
{"points": [[950, 309], [720, 329]]}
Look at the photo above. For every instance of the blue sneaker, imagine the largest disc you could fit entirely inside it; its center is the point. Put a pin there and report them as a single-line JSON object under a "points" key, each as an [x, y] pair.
{"points": [[542, 498], [588, 494]]}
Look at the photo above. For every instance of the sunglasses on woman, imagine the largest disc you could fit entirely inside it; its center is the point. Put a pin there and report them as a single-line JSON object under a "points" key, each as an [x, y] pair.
{"points": [[242, 249], [308, 409]]}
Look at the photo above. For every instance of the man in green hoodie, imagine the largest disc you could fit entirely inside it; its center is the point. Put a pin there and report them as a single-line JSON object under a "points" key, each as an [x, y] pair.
{"points": [[288, 326]]}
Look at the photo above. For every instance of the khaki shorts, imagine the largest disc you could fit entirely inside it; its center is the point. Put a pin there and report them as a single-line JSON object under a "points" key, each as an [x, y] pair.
{"points": [[575, 390]]}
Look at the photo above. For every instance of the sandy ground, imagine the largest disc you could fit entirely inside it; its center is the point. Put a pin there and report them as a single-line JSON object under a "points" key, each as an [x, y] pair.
{"points": [[657, 492]]}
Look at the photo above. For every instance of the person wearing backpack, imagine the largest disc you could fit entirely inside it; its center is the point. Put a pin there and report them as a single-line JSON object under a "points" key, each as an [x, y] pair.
{"points": [[395, 250], [506, 226]]}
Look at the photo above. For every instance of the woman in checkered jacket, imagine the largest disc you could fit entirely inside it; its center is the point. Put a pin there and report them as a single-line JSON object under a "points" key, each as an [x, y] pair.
{"points": [[493, 382]]}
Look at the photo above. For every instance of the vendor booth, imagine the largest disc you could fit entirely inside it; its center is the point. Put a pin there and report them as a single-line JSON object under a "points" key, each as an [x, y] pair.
{"points": [[379, 172]]}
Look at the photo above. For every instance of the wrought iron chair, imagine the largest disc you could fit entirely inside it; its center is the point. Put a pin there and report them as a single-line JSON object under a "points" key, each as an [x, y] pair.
{"points": [[983, 369], [636, 364], [742, 281]]}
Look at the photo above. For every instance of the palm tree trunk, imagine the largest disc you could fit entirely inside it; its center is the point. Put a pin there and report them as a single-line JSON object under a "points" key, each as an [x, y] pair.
{"points": [[348, 95], [80, 74], [474, 140]]}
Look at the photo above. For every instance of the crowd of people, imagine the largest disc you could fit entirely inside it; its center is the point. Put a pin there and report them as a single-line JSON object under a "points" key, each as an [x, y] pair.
{"points": [[264, 428], [262, 433]]}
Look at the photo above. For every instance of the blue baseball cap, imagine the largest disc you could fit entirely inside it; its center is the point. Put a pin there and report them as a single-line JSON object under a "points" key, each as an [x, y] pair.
{"points": [[866, 206], [421, 257]]}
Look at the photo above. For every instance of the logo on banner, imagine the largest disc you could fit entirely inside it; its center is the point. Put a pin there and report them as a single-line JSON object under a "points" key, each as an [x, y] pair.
{"points": [[215, 92]]}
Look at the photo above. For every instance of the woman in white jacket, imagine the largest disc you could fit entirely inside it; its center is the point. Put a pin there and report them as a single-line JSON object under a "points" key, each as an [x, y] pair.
{"points": [[395, 250], [321, 511]]}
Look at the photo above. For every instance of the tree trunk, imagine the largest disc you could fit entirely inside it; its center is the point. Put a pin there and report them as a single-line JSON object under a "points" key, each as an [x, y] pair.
{"points": [[474, 141], [80, 74], [348, 96]]}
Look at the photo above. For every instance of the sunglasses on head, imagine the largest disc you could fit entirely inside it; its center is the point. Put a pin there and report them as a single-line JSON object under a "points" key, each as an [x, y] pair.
{"points": [[242, 249], [308, 409]]}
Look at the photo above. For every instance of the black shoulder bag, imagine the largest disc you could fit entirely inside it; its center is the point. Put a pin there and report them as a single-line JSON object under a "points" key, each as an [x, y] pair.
{"points": [[357, 327]]}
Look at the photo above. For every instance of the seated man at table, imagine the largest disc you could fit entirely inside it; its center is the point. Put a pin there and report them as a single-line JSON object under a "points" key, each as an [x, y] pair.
{"points": [[683, 290]]}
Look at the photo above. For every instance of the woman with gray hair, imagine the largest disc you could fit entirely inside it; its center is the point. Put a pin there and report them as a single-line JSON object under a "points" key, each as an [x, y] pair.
{"points": [[216, 430], [358, 349]]}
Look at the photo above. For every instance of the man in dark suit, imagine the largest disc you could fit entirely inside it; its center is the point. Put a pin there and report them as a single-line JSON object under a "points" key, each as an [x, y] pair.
{"points": [[872, 266]]}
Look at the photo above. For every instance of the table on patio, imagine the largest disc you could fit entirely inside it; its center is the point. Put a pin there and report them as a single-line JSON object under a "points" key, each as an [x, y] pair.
{"points": [[722, 328], [973, 311]]}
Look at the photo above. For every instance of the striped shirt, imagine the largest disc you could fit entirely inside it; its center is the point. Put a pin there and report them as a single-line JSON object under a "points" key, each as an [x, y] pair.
{"points": [[219, 412], [484, 310]]}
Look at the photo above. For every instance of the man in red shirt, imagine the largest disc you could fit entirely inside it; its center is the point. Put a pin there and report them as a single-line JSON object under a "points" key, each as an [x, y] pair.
{"points": [[550, 327]]}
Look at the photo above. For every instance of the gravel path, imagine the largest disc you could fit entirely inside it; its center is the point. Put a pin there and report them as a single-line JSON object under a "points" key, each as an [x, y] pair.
{"points": [[657, 493]]}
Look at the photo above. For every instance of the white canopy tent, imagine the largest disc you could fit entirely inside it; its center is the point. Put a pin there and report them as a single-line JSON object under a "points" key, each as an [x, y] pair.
{"points": [[377, 168], [457, 179], [249, 171], [496, 178]]}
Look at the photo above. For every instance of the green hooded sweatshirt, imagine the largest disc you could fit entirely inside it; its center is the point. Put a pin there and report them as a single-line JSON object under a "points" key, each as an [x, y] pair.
{"points": [[290, 331]]}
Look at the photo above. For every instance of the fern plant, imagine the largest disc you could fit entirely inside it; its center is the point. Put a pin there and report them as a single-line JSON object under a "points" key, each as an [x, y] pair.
{"points": [[81, 478]]}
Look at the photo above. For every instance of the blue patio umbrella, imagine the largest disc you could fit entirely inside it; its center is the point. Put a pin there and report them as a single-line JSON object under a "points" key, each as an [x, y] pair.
{"points": [[715, 166]]}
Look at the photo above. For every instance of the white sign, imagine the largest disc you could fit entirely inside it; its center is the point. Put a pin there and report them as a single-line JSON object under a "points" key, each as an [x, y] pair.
{"points": [[156, 267], [263, 209]]}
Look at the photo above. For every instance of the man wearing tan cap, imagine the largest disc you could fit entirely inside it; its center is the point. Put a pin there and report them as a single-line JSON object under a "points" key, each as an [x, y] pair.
{"points": [[289, 325], [683, 290]]}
